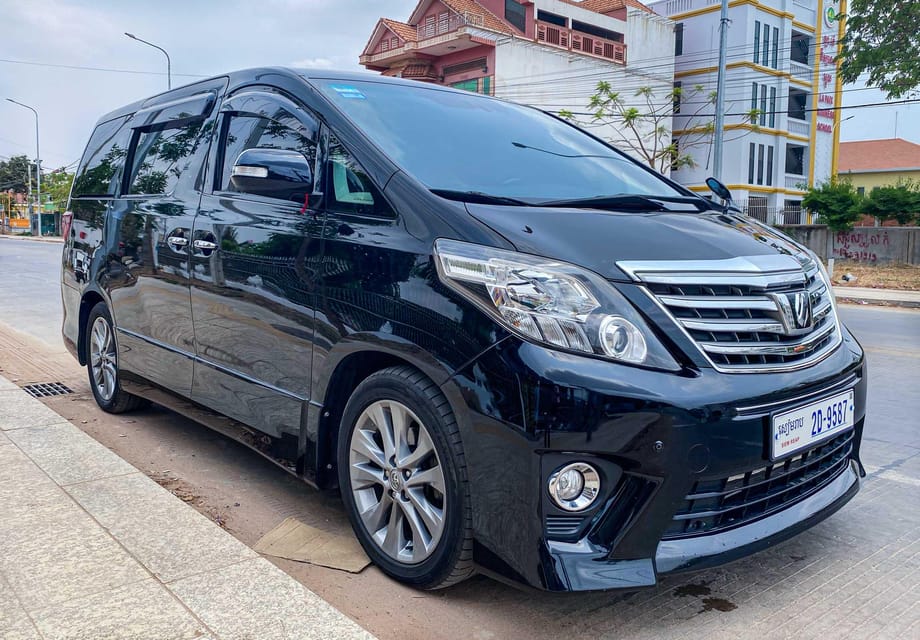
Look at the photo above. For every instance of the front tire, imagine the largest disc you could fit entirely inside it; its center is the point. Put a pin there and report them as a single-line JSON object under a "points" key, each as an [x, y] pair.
{"points": [[402, 473], [102, 364]]}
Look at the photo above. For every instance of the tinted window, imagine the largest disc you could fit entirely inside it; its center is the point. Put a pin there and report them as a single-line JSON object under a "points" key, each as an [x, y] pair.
{"points": [[350, 190], [464, 142], [281, 131], [161, 156], [102, 161]]}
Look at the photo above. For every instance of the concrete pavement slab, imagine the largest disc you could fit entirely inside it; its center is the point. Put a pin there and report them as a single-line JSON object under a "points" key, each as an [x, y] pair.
{"points": [[142, 610], [55, 448], [6, 385], [163, 533], [232, 602], [19, 410], [15, 624], [4, 439]]}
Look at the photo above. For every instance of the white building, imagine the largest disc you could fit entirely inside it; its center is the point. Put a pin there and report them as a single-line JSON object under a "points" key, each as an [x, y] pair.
{"points": [[781, 63], [547, 53]]}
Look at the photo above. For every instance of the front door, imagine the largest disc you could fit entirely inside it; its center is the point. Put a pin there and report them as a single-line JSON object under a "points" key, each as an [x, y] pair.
{"points": [[254, 258]]}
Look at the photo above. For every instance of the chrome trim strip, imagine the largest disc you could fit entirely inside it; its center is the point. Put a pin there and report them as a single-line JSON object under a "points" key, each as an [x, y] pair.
{"points": [[769, 407], [736, 326], [759, 303], [748, 265], [156, 343], [761, 281], [761, 349]]}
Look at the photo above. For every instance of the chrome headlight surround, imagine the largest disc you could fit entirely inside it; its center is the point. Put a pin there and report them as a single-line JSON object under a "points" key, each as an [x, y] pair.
{"points": [[553, 303]]}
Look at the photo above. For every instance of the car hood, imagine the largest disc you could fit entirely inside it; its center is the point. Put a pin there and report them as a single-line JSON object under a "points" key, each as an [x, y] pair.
{"points": [[597, 239]]}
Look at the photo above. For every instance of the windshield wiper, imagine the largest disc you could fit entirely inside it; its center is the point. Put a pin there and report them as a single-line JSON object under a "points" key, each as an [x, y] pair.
{"points": [[478, 197], [624, 201]]}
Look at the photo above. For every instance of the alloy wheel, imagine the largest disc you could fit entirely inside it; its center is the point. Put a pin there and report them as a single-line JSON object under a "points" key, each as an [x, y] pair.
{"points": [[102, 358], [397, 481]]}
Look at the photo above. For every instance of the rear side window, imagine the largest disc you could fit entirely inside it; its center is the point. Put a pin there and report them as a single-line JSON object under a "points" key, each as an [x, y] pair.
{"points": [[161, 156], [102, 161]]}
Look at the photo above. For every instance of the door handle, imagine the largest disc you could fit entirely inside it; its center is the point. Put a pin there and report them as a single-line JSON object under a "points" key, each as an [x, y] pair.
{"points": [[177, 242], [204, 245]]}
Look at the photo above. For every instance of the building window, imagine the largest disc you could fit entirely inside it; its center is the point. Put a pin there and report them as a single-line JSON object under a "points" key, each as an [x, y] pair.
{"points": [[763, 105], [772, 107], [775, 47], [860, 191], [384, 45], [679, 38], [798, 50], [552, 18], [753, 148], [760, 164], [600, 32], [770, 166], [753, 96], [766, 45], [757, 42], [795, 160], [476, 85], [443, 22], [516, 15], [677, 91], [394, 43], [675, 154]]}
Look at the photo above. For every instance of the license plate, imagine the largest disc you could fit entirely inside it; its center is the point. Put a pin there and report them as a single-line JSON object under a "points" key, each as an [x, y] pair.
{"points": [[804, 427]]}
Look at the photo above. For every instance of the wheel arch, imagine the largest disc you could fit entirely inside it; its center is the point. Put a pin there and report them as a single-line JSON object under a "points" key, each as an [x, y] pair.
{"points": [[89, 299], [349, 363]]}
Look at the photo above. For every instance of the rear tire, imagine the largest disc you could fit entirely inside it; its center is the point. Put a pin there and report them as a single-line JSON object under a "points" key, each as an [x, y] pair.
{"points": [[102, 364], [402, 473]]}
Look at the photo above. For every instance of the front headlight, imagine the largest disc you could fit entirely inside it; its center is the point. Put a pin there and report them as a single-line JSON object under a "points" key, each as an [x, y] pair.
{"points": [[551, 302]]}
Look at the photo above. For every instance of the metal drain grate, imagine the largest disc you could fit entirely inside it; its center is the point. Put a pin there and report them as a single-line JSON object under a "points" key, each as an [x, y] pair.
{"points": [[45, 389]]}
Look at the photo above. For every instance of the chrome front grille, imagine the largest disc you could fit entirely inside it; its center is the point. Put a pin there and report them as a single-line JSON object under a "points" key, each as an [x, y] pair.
{"points": [[739, 312]]}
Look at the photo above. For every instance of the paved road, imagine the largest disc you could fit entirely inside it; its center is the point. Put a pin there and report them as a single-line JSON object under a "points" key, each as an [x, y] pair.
{"points": [[855, 575]]}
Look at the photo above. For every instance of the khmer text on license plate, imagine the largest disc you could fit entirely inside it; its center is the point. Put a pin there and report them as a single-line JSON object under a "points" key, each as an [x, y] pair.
{"points": [[803, 427]]}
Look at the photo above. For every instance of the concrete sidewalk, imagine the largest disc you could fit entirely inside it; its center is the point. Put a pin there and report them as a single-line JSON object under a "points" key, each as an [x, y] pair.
{"points": [[91, 548], [893, 297], [13, 236]]}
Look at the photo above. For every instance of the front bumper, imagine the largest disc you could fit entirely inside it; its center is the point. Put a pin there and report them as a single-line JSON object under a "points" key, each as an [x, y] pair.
{"points": [[655, 437]]}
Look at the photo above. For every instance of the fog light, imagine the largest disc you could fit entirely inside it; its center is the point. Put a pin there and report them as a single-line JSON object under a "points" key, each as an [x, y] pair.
{"points": [[575, 486]]}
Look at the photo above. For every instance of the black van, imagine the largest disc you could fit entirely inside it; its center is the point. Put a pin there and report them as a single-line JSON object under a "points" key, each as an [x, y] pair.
{"points": [[512, 348]]}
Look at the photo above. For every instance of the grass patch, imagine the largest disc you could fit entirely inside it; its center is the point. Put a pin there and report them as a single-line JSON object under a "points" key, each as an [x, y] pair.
{"points": [[890, 276]]}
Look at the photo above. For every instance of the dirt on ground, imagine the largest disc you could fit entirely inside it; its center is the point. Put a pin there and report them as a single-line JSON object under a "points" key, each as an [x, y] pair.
{"points": [[891, 276]]}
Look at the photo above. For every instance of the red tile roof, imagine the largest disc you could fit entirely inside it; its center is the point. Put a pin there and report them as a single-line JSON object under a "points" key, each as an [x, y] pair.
{"points": [[490, 21], [606, 6], [878, 155], [403, 30]]}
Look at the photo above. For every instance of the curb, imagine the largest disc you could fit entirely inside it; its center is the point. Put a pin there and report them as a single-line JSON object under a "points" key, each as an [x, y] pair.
{"points": [[52, 239], [904, 304]]}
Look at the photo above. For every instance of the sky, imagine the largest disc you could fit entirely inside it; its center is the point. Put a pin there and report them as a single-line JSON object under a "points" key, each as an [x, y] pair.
{"points": [[207, 38]]}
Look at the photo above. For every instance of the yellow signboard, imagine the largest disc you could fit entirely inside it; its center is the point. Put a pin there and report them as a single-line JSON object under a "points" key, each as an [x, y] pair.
{"points": [[19, 223]]}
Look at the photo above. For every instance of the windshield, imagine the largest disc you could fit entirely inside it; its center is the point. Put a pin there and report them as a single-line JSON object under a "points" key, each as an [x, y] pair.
{"points": [[452, 141]]}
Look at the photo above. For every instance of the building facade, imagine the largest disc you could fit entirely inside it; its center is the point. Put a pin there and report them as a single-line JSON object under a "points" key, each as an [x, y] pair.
{"points": [[782, 96], [547, 53]]}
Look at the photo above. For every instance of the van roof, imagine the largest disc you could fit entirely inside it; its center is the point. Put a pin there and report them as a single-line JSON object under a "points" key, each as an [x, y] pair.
{"points": [[242, 75]]}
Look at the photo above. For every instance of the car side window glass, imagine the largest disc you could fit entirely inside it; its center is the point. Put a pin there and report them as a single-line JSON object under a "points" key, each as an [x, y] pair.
{"points": [[283, 131], [350, 189], [102, 161], [161, 156]]}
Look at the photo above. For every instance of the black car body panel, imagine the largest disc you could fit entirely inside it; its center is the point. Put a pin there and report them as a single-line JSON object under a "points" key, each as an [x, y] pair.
{"points": [[270, 313]]}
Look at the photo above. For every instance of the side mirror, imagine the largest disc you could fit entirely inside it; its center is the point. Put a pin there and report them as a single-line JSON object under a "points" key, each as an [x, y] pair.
{"points": [[720, 190], [273, 173]]}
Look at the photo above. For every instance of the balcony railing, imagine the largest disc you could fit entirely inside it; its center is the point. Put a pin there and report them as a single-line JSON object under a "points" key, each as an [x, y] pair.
{"points": [[801, 71], [578, 42], [445, 23], [798, 127], [794, 182]]}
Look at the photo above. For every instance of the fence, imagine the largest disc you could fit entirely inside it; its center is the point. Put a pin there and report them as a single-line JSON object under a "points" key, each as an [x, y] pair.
{"points": [[871, 245]]}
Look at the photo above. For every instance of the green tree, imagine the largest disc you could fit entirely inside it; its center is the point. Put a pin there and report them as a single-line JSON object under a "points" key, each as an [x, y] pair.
{"points": [[56, 186], [836, 202], [899, 202], [883, 39], [14, 174], [644, 122]]}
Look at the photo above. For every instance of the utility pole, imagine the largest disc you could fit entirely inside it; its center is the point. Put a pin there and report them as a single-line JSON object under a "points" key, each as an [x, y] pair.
{"points": [[38, 168], [720, 93]]}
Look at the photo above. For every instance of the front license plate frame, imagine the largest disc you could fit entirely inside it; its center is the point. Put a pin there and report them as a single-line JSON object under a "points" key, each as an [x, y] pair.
{"points": [[807, 425]]}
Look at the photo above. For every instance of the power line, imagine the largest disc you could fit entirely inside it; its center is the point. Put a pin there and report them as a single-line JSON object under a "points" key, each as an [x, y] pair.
{"points": [[825, 108], [109, 70]]}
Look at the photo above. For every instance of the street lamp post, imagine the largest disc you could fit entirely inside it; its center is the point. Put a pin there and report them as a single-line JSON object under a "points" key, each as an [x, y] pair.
{"points": [[38, 164], [168, 63]]}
